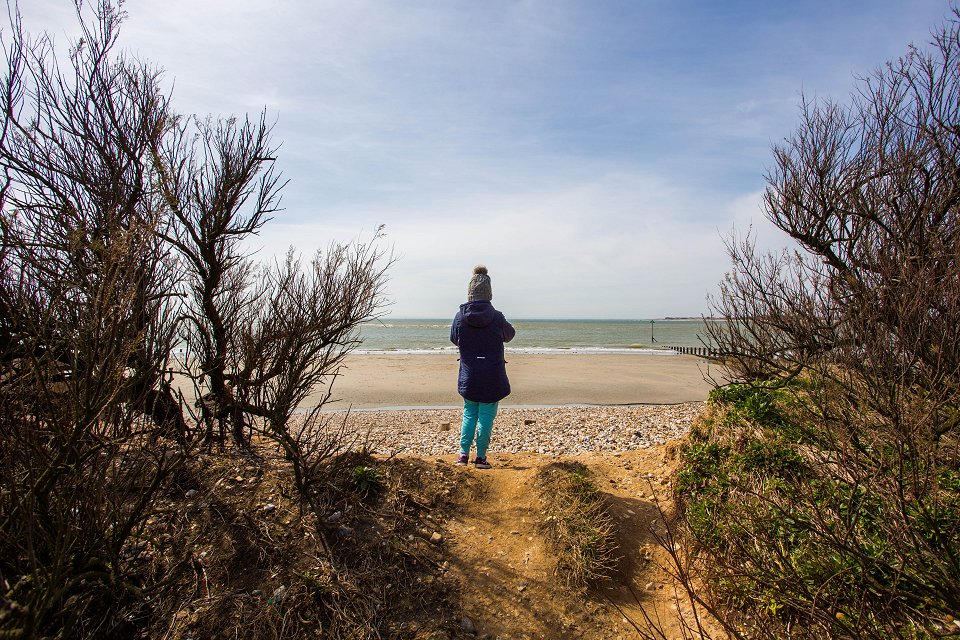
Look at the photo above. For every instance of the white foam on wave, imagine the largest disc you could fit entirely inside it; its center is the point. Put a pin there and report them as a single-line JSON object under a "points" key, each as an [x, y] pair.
{"points": [[522, 351], [590, 350], [406, 352]]}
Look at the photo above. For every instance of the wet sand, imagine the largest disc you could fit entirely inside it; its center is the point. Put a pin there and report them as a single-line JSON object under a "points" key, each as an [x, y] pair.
{"points": [[370, 381]]}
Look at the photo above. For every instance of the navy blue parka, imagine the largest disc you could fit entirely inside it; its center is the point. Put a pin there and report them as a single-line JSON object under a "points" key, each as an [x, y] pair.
{"points": [[480, 331]]}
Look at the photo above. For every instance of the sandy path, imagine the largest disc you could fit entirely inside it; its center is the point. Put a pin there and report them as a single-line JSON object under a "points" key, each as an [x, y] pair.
{"points": [[500, 558]]}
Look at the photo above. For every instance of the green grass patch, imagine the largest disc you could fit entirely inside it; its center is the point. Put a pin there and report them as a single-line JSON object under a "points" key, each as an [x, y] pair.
{"points": [[807, 531]]}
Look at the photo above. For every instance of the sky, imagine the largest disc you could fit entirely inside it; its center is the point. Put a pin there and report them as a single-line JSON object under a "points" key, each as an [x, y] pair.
{"points": [[593, 154]]}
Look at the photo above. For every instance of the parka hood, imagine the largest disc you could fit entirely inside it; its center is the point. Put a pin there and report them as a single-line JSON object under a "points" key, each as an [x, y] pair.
{"points": [[479, 313]]}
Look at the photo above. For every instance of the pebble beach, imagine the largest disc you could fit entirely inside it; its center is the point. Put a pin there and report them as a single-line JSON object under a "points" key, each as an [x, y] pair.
{"points": [[545, 431]]}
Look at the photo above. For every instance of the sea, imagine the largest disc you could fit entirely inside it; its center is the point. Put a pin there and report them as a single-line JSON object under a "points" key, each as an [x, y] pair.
{"points": [[655, 336]]}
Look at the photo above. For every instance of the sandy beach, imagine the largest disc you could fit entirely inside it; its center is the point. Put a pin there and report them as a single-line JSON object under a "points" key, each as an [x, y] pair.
{"points": [[371, 381]]}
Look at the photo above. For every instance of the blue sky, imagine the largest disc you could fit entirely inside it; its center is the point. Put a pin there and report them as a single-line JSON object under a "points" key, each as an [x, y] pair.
{"points": [[593, 154]]}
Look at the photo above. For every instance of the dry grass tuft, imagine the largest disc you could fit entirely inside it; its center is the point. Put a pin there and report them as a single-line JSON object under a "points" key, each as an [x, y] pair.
{"points": [[577, 524]]}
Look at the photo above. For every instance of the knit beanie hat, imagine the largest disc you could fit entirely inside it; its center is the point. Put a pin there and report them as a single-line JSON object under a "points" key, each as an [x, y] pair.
{"points": [[479, 287]]}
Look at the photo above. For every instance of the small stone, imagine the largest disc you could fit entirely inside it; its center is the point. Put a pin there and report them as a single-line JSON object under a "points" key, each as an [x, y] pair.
{"points": [[334, 517], [467, 625], [269, 507], [436, 537], [191, 493]]}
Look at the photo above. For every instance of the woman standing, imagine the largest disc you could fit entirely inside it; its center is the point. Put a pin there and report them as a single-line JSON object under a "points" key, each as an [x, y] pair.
{"points": [[480, 332]]}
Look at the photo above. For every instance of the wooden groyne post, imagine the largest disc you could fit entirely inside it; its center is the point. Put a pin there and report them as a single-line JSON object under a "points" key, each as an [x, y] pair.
{"points": [[703, 352]]}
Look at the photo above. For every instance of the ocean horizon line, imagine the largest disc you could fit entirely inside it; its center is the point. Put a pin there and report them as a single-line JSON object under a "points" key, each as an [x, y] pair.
{"points": [[544, 319]]}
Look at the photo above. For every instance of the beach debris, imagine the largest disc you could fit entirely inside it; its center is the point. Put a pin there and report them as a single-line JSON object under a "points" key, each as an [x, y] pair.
{"points": [[278, 594]]}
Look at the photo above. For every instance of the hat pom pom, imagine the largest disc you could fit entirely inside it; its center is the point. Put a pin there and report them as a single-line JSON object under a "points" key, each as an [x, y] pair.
{"points": [[480, 270]]}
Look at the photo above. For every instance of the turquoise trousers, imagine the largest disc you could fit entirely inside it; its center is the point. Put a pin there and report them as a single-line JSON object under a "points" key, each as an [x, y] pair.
{"points": [[477, 413]]}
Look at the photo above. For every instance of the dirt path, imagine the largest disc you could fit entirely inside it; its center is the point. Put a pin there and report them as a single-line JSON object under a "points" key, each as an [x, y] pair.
{"points": [[506, 571]]}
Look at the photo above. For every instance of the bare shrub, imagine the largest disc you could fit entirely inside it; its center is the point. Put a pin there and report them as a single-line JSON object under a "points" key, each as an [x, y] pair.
{"points": [[219, 182], [295, 345], [824, 500], [122, 226], [84, 332], [259, 338]]}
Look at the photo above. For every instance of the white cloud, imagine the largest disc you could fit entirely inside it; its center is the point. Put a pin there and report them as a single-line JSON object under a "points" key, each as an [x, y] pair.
{"points": [[614, 246], [594, 157]]}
